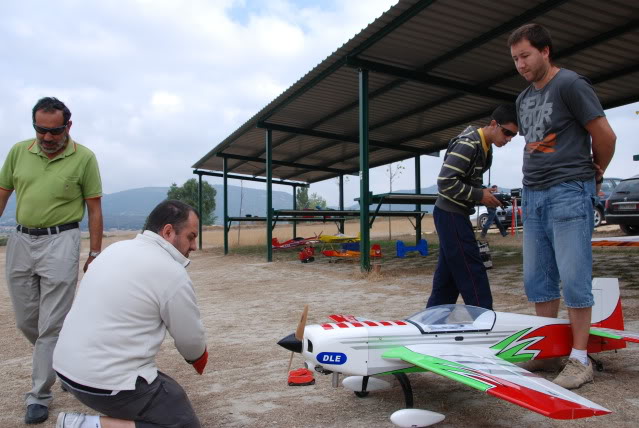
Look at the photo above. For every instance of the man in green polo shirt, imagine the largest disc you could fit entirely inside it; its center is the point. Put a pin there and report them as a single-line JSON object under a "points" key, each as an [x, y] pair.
{"points": [[54, 177]]}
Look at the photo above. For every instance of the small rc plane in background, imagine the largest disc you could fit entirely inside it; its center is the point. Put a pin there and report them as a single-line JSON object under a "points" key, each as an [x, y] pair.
{"points": [[376, 252], [337, 239], [474, 346], [293, 243]]}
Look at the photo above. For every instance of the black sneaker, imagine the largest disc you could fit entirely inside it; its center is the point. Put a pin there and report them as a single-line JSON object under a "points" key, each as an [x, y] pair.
{"points": [[36, 414]]}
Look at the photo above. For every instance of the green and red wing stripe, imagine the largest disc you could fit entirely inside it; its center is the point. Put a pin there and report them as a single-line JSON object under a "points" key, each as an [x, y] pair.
{"points": [[615, 334], [547, 405], [541, 402]]}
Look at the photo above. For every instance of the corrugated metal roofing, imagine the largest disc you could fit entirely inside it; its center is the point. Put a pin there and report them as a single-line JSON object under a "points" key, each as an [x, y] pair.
{"points": [[458, 69]]}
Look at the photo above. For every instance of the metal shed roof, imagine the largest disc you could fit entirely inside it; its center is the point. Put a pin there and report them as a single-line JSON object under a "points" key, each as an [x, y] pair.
{"points": [[436, 67]]}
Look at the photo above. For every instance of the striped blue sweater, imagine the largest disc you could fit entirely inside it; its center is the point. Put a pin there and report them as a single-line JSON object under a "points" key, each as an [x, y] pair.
{"points": [[460, 180]]}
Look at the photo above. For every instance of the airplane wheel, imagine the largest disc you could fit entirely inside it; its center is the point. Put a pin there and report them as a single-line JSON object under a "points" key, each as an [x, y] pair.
{"points": [[361, 394]]}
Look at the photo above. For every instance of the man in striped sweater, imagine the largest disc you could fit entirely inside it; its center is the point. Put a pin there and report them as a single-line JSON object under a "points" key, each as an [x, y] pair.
{"points": [[460, 269]]}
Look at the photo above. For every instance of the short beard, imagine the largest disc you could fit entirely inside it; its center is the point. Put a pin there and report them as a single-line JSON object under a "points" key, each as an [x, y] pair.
{"points": [[59, 146]]}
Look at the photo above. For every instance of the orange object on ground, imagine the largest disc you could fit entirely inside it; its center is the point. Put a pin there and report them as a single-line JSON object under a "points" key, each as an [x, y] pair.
{"points": [[300, 377], [376, 252]]}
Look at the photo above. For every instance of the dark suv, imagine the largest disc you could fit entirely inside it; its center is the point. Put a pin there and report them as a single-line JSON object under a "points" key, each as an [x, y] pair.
{"points": [[607, 187], [622, 207]]}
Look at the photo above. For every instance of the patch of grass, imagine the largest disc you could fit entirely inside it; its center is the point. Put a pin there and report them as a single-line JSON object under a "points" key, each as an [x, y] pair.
{"points": [[507, 259]]}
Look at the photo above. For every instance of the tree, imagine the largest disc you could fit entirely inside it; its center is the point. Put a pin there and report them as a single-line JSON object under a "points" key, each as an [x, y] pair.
{"points": [[188, 194], [302, 198], [305, 201]]}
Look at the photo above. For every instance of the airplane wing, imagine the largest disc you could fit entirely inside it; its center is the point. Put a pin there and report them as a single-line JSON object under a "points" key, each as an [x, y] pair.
{"points": [[479, 368], [628, 336]]}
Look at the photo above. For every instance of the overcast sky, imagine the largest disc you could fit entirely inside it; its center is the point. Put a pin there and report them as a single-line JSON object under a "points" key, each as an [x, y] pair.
{"points": [[153, 85]]}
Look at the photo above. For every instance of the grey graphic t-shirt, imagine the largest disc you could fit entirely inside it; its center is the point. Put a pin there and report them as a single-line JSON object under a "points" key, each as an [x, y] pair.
{"points": [[552, 122]]}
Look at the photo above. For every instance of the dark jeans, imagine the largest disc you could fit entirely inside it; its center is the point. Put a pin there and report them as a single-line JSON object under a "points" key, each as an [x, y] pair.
{"points": [[492, 216], [460, 269]]}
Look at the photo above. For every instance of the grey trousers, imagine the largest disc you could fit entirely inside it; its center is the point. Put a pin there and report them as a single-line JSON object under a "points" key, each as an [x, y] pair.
{"points": [[42, 274]]}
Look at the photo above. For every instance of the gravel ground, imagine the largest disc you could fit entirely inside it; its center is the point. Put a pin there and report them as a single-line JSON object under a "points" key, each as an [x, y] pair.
{"points": [[247, 305]]}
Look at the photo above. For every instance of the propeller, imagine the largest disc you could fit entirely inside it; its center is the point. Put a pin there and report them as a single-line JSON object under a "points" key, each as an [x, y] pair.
{"points": [[293, 342], [299, 333]]}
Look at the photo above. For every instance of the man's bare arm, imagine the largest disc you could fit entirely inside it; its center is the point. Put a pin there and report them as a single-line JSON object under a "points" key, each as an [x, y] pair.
{"points": [[603, 143], [4, 197], [94, 206]]}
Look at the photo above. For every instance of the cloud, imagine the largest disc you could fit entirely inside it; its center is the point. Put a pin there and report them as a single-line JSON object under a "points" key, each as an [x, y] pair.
{"points": [[165, 102], [154, 85]]}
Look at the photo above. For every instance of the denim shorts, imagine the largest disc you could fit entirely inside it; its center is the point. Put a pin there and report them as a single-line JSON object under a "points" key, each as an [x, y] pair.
{"points": [[558, 225]]}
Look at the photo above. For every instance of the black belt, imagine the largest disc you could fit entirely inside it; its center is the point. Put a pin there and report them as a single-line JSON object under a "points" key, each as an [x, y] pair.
{"points": [[84, 388], [39, 231]]}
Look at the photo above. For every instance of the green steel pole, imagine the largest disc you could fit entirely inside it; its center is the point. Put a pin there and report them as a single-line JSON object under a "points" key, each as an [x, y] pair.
{"points": [[294, 207], [364, 196], [225, 167], [269, 195], [341, 201], [199, 204], [418, 207]]}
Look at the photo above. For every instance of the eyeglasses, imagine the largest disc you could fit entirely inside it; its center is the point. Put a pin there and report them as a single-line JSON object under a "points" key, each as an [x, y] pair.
{"points": [[507, 132], [53, 131]]}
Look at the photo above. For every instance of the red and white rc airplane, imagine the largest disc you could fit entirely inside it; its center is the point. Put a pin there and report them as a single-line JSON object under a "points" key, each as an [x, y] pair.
{"points": [[474, 346]]}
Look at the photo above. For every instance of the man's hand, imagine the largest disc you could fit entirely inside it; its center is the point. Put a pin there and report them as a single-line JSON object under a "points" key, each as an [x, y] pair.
{"points": [[599, 173], [200, 363], [87, 263], [488, 199]]}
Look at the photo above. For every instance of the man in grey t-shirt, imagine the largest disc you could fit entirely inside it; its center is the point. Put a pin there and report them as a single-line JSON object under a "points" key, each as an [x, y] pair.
{"points": [[561, 120]]}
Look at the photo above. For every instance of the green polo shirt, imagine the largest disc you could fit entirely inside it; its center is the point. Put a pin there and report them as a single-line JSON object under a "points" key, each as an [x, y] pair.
{"points": [[50, 192]]}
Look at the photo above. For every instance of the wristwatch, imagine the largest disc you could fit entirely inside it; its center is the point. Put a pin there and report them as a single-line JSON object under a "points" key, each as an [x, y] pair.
{"points": [[599, 181], [94, 253]]}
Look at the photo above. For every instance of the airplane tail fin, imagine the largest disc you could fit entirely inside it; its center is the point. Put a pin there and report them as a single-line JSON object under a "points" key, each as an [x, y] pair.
{"points": [[607, 309], [275, 242], [607, 316]]}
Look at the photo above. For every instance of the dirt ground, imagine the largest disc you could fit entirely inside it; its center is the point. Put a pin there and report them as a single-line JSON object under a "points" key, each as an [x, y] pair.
{"points": [[247, 305]]}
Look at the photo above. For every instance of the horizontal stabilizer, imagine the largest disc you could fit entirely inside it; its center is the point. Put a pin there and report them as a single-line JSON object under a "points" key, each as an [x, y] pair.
{"points": [[610, 333]]}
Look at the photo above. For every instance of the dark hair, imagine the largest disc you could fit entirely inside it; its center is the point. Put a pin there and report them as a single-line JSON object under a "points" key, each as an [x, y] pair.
{"points": [[50, 105], [536, 34], [505, 113], [171, 212]]}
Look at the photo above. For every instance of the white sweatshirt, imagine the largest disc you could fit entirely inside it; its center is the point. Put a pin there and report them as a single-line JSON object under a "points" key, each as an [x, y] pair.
{"points": [[132, 293]]}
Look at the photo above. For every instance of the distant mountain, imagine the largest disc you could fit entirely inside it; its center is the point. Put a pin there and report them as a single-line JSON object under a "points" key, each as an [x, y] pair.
{"points": [[128, 209]]}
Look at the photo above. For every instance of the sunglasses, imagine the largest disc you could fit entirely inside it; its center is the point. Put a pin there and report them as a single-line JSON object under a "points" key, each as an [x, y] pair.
{"points": [[507, 132], [53, 131]]}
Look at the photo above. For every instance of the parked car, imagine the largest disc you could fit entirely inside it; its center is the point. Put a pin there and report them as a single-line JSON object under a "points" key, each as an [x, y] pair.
{"points": [[505, 215], [622, 207], [607, 187]]}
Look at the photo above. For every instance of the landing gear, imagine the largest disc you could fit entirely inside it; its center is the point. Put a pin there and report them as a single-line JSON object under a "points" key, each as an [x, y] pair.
{"points": [[401, 378], [598, 364], [363, 393], [407, 417], [406, 389]]}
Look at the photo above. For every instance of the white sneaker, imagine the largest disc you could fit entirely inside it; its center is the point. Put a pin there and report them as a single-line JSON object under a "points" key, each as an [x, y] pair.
{"points": [[70, 420], [574, 374]]}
